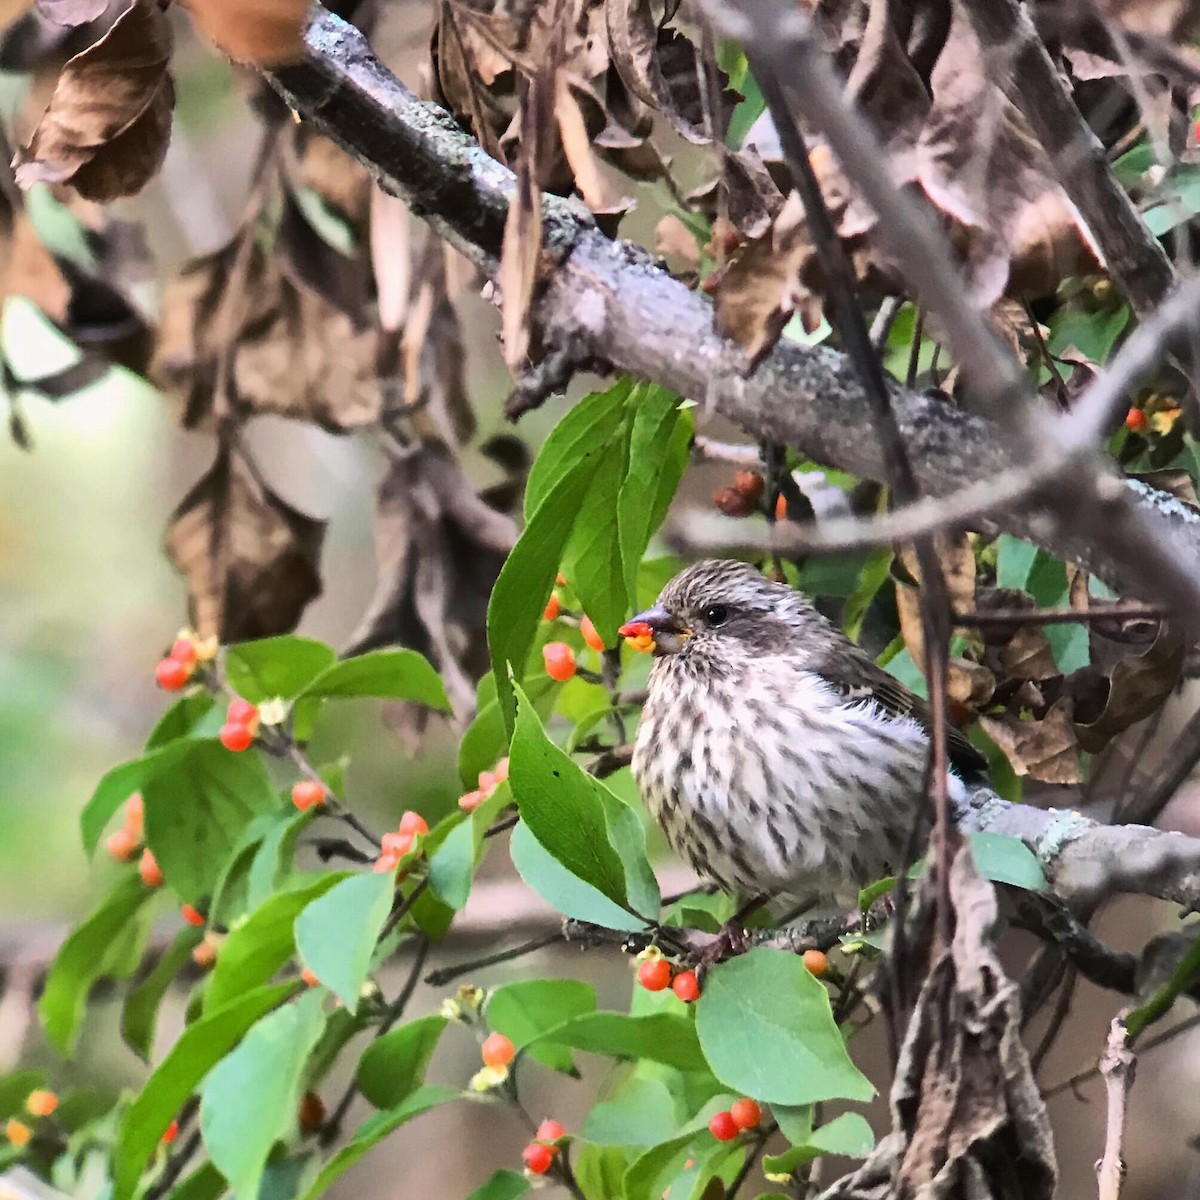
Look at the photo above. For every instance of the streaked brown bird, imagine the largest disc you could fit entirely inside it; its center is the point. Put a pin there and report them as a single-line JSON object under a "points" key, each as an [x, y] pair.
{"points": [[780, 760]]}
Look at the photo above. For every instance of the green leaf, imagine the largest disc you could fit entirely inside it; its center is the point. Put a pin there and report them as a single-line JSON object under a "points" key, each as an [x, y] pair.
{"points": [[261, 944], [15, 1087], [654, 1170], [185, 718], [118, 785], [385, 675], [1182, 977], [96, 949], [272, 861], [374, 1129], [767, 1031], [205, 1183], [1070, 645], [452, 867], [525, 1010], [394, 1065], [563, 891], [201, 1045], [642, 1113], [592, 833], [196, 809], [848, 1135], [1093, 334], [874, 574], [251, 1097], [1014, 562], [599, 1170], [278, 666], [1005, 859], [660, 1037], [139, 1014], [336, 934], [503, 1185]]}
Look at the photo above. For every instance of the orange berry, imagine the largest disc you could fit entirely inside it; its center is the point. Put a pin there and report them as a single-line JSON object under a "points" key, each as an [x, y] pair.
{"points": [[309, 978], [41, 1102], [686, 986], [397, 844], [746, 1113], [192, 915], [236, 737], [723, 1127], [1136, 420], [413, 822], [732, 503], [750, 484], [560, 661], [242, 712], [386, 862], [781, 508], [170, 1133], [149, 870], [135, 813], [308, 793], [537, 1158], [817, 962], [552, 608], [550, 1131], [654, 974], [171, 674], [184, 651], [205, 954], [122, 845], [498, 1050], [470, 801], [590, 635], [312, 1112], [560, 579], [500, 770], [487, 782], [17, 1132]]}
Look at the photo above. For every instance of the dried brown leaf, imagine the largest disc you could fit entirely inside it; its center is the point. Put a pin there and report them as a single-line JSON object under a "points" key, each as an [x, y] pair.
{"points": [[674, 241], [340, 180], [109, 121], [969, 683], [251, 560], [266, 33], [31, 271], [1028, 656], [957, 559], [1045, 749]]}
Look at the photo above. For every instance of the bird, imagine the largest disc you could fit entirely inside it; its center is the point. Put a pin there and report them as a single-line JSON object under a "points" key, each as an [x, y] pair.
{"points": [[780, 760]]}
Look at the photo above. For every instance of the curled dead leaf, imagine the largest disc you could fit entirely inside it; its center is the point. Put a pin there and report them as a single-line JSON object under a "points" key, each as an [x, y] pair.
{"points": [[1046, 749], [251, 560], [1027, 655], [109, 120], [969, 683], [266, 33]]}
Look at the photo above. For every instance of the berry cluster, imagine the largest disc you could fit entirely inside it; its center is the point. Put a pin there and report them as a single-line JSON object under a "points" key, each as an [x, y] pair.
{"points": [[41, 1102], [559, 658], [655, 973], [741, 1116], [186, 654], [540, 1154], [398, 845], [743, 497], [489, 781], [241, 724]]}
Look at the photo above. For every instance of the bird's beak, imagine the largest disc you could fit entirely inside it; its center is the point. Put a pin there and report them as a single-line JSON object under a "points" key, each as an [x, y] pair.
{"points": [[656, 629]]}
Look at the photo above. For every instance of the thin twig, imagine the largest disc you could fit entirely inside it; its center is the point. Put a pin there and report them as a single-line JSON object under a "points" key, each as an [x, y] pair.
{"points": [[760, 1144], [449, 974], [1118, 1065], [1006, 618]]}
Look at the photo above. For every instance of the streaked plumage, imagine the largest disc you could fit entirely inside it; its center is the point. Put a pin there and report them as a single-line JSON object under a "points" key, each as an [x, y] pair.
{"points": [[779, 759]]}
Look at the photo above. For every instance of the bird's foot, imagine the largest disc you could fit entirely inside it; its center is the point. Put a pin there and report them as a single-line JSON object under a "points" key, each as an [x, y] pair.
{"points": [[708, 949]]}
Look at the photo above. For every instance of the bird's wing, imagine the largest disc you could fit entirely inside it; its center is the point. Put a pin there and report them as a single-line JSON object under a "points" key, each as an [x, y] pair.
{"points": [[858, 677]]}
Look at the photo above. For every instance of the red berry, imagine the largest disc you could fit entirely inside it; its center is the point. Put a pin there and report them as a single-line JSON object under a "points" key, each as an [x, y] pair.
{"points": [[686, 986], [171, 674], [654, 974], [723, 1127], [135, 813], [242, 712], [413, 823], [122, 845], [386, 862], [171, 1132], [817, 962], [470, 801], [41, 1102], [192, 916], [732, 503], [312, 1112], [205, 954], [19, 1134], [149, 870], [236, 737], [537, 1158], [746, 1113], [498, 1050], [552, 607], [397, 844], [309, 978], [550, 1131], [184, 651], [749, 484], [590, 635], [560, 661], [1135, 420], [781, 508], [308, 793]]}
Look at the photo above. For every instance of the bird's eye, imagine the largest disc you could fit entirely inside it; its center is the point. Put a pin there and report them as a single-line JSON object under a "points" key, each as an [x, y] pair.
{"points": [[716, 614]]}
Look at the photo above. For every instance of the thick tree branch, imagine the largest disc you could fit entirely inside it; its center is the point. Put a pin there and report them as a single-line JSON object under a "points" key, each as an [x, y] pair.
{"points": [[612, 298]]}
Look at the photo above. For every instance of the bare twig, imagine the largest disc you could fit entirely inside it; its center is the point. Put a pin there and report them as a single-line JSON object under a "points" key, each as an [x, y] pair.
{"points": [[1118, 1065]]}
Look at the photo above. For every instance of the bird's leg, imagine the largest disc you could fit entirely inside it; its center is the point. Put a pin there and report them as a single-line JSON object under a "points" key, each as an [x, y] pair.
{"points": [[730, 940]]}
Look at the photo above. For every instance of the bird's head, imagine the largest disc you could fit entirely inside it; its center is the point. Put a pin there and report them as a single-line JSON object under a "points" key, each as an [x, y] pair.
{"points": [[721, 604]]}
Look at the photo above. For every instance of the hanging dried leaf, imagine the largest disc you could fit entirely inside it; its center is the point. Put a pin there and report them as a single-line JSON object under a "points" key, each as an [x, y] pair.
{"points": [[251, 560], [109, 121], [957, 561], [438, 550], [1045, 749], [969, 683], [70, 12], [265, 33], [1028, 655]]}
